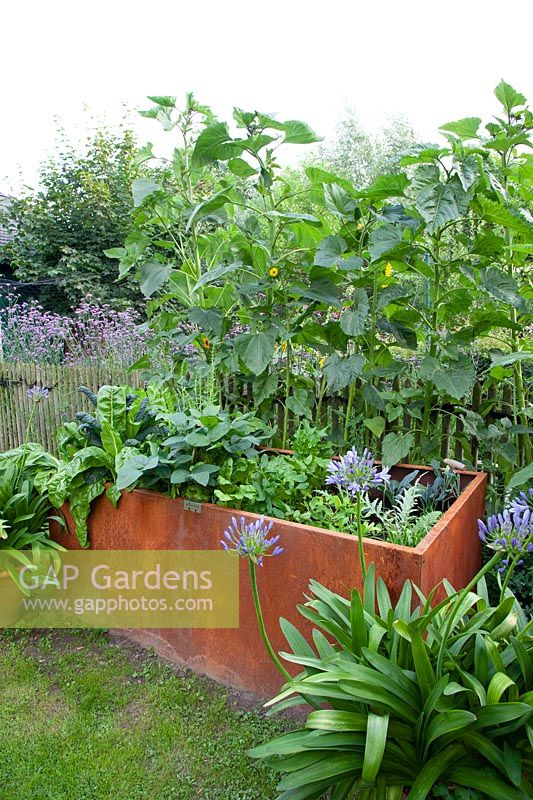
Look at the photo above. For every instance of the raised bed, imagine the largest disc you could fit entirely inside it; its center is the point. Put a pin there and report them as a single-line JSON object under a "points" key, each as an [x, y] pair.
{"points": [[146, 520]]}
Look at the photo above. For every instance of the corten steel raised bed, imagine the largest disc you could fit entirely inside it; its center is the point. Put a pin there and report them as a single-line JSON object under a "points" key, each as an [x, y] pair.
{"points": [[145, 520]]}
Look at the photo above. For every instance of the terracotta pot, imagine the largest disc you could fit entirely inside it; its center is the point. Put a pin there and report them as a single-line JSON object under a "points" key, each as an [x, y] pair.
{"points": [[146, 520]]}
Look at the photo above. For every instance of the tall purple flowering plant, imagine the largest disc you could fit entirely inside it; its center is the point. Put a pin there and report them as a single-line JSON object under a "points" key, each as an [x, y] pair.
{"points": [[31, 334], [100, 334], [93, 334], [252, 540], [356, 474]]}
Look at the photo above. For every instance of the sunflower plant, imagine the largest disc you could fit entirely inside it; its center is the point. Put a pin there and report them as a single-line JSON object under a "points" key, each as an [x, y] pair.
{"points": [[225, 260]]}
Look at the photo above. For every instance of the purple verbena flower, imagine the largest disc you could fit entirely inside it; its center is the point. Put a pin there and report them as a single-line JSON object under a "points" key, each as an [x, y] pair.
{"points": [[510, 531], [91, 334], [250, 540], [356, 473], [37, 393]]}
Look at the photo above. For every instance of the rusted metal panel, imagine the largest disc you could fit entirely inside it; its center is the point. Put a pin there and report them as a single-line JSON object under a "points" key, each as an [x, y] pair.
{"points": [[146, 520]]}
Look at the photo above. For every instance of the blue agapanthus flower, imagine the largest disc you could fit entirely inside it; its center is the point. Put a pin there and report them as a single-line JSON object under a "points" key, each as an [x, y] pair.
{"points": [[356, 473], [37, 393], [510, 531], [250, 540], [523, 501]]}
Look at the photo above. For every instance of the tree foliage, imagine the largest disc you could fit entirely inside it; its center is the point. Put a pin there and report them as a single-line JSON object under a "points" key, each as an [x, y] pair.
{"points": [[82, 207], [361, 156]]}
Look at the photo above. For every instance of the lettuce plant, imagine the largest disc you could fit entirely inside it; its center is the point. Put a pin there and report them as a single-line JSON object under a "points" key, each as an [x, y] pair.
{"points": [[275, 484]]}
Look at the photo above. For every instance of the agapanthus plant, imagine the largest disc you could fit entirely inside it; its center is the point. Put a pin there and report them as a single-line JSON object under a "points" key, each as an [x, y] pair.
{"points": [[251, 540], [508, 534], [356, 474], [37, 393]]}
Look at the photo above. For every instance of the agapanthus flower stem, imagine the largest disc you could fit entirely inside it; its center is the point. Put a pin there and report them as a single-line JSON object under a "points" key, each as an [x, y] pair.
{"points": [[261, 623], [508, 576], [360, 535], [24, 456], [264, 635], [27, 432]]}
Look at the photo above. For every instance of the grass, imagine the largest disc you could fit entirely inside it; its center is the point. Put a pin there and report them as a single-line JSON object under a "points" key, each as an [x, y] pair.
{"points": [[86, 717]]}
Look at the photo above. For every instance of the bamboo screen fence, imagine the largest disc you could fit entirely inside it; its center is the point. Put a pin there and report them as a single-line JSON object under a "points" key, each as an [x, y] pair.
{"points": [[63, 401]]}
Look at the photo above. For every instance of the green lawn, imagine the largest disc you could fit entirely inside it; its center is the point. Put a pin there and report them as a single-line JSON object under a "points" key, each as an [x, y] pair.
{"points": [[84, 717]]}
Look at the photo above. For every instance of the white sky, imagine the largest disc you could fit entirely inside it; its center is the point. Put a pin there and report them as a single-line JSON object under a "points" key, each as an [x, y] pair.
{"points": [[433, 61]]}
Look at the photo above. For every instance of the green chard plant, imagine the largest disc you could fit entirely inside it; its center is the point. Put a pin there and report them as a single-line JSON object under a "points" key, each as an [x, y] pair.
{"points": [[142, 438], [91, 450]]}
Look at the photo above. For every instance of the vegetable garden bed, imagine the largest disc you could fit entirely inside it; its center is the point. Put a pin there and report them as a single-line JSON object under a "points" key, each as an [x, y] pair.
{"points": [[146, 520]]}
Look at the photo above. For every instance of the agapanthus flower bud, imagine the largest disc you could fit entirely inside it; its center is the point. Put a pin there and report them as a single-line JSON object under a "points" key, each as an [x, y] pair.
{"points": [[522, 501]]}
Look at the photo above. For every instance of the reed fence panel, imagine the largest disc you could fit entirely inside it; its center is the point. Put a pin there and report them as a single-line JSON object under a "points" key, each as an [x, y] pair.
{"points": [[62, 403], [64, 400]]}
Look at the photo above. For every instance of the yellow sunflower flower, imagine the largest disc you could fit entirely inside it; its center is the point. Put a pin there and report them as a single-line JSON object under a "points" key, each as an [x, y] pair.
{"points": [[388, 274], [273, 272], [206, 344]]}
